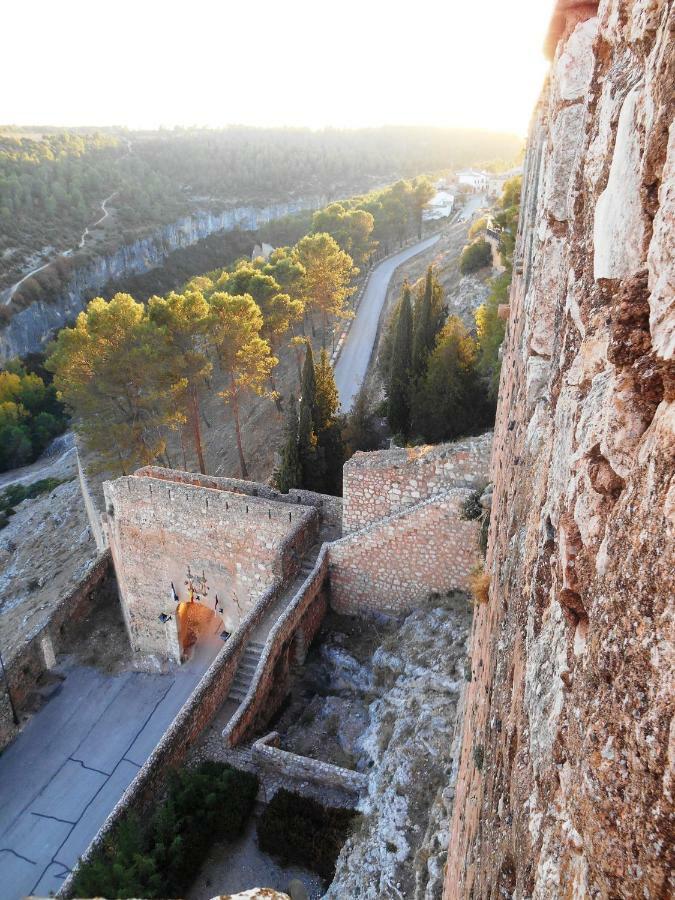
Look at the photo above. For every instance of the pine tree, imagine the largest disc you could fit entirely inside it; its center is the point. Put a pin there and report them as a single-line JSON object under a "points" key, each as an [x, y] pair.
{"points": [[328, 426], [289, 474], [401, 369]]}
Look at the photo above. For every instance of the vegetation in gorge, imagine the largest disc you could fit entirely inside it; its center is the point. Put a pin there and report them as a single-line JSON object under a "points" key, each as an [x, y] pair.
{"points": [[161, 858], [30, 416], [131, 374], [302, 832], [52, 182]]}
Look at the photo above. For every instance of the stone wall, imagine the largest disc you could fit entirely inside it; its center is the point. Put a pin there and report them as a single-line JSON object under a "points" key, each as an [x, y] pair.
{"points": [[302, 769], [37, 654], [286, 643], [563, 787], [158, 527], [378, 484], [395, 564]]}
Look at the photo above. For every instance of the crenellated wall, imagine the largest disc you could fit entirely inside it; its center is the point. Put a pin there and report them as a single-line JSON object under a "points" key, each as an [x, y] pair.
{"points": [[565, 778], [157, 527]]}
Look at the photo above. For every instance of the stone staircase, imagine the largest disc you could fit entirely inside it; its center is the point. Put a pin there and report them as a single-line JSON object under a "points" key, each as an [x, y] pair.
{"points": [[245, 671], [251, 657]]}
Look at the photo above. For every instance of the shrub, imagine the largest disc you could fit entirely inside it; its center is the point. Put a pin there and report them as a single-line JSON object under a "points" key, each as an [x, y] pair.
{"points": [[475, 257], [471, 508], [479, 584], [160, 859], [301, 831]]}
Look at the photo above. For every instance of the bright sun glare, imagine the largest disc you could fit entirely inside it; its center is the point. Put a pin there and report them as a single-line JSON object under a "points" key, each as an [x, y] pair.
{"points": [[349, 63]]}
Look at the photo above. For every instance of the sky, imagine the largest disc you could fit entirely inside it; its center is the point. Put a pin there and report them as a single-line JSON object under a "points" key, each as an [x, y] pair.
{"points": [[341, 63]]}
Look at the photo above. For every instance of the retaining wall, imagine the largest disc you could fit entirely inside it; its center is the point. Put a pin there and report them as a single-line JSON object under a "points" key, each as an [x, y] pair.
{"points": [[395, 564], [379, 484]]}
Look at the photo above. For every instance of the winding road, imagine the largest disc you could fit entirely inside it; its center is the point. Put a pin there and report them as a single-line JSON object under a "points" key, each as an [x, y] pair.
{"points": [[353, 362]]}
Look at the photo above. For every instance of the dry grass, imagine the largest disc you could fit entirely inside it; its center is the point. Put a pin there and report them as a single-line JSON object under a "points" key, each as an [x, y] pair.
{"points": [[479, 584]]}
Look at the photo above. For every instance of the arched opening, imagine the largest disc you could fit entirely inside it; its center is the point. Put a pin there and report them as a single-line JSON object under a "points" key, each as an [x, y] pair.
{"points": [[197, 625]]}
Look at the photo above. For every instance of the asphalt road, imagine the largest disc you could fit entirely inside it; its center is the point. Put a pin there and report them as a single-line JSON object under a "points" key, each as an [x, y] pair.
{"points": [[352, 364], [72, 762]]}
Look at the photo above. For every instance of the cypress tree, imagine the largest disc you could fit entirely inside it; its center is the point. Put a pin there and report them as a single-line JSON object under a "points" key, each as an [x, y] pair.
{"points": [[311, 459], [289, 474], [428, 321], [328, 429], [401, 369]]}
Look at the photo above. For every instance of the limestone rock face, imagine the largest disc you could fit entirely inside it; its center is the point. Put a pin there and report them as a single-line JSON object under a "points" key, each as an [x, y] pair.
{"points": [[565, 779], [400, 847]]}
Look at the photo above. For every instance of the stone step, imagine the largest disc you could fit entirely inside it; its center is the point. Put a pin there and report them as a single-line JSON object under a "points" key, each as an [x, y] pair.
{"points": [[248, 665], [237, 694]]}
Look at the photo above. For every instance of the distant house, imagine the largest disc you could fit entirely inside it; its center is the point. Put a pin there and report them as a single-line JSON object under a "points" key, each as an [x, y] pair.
{"points": [[477, 181], [439, 206], [496, 182]]}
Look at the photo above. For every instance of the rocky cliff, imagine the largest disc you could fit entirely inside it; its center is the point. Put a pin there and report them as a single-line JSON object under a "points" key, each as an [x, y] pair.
{"points": [[29, 329], [565, 780]]}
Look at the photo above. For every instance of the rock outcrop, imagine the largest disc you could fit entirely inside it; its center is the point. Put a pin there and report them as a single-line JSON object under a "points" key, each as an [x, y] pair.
{"points": [[27, 331], [565, 782]]}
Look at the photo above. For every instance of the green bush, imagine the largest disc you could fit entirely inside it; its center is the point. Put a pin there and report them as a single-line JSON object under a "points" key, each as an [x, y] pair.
{"points": [[161, 859], [471, 508], [301, 831], [475, 256]]}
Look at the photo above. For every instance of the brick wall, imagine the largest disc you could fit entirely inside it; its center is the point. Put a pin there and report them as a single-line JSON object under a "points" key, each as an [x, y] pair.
{"points": [[378, 484], [242, 543], [395, 564]]}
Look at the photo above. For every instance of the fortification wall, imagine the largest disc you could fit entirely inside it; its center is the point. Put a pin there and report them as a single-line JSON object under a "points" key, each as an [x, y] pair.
{"points": [[286, 643], [242, 544], [379, 484], [37, 654], [563, 787], [395, 564]]}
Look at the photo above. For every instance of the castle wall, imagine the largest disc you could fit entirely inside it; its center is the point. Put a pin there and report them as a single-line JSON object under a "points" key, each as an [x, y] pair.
{"points": [[563, 778], [395, 564], [379, 484], [242, 544]]}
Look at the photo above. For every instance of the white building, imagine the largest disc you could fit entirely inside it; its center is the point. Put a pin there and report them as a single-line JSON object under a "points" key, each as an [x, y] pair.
{"points": [[477, 181], [440, 206]]}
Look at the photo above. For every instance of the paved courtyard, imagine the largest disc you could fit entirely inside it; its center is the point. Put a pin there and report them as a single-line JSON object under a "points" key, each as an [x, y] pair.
{"points": [[72, 762]]}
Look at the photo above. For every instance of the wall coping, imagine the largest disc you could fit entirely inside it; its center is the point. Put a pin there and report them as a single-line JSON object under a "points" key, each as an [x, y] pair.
{"points": [[405, 457]]}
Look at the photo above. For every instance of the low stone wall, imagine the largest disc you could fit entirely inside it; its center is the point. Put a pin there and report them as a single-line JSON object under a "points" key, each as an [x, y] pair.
{"points": [[37, 654], [293, 632], [271, 759], [379, 484], [93, 513], [394, 565], [184, 731]]}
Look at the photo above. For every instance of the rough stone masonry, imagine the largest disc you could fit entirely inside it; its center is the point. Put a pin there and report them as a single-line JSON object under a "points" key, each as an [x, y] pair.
{"points": [[565, 781]]}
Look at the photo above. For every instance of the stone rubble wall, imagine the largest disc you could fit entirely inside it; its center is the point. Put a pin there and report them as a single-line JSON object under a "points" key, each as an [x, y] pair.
{"points": [[395, 564], [286, 643], [379, 484], [242, 543], [564, 781], [295, 769], [37, 654]]}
